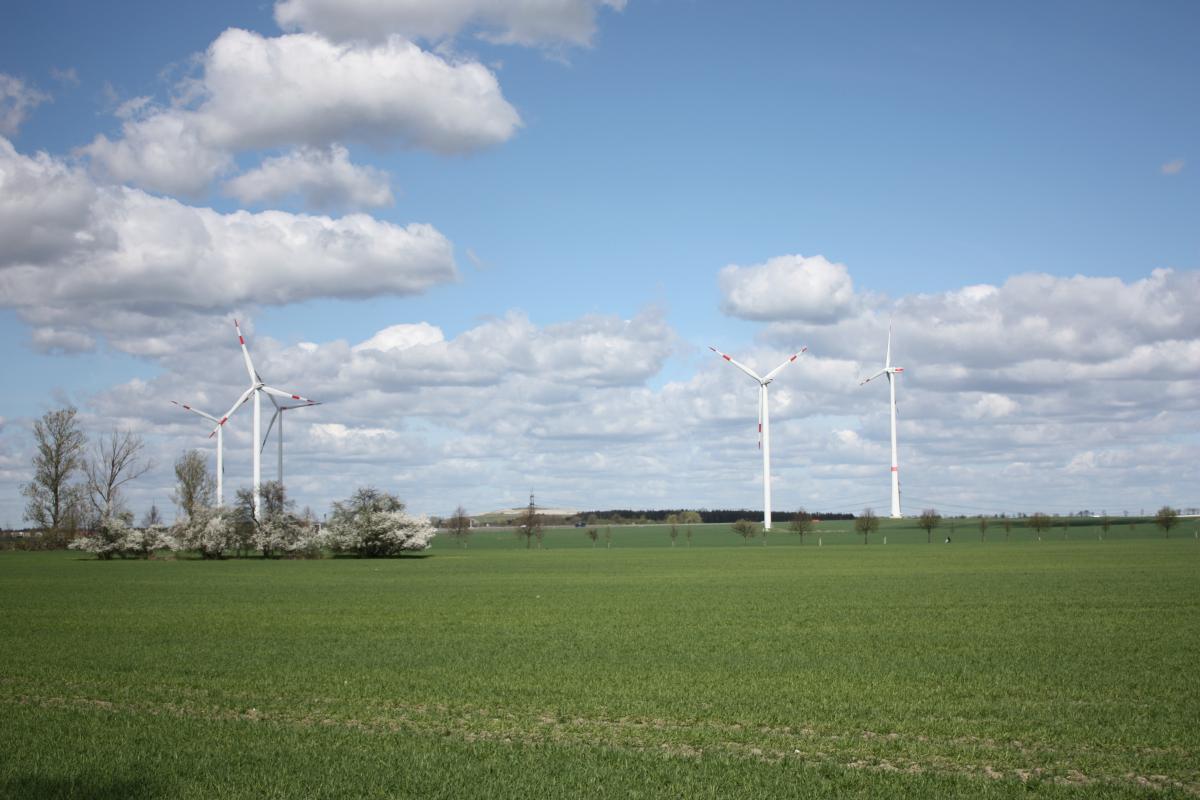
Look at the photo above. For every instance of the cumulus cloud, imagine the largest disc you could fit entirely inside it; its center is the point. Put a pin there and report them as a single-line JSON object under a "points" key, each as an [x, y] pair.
{"points": [[259, 92], [72, 249], [788, 287], [323, 178], [16, 101], [531, 22]]}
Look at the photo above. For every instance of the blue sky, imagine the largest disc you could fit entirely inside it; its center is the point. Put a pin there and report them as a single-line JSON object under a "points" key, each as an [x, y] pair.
{"points": [[927, 148]]}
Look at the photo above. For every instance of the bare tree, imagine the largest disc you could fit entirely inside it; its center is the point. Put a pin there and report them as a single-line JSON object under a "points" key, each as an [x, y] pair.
{"points": [[1039, 522], [53, 500], [745, 529], [593, 534], [608, 536], [866, 523], [983, 526], [929, 520], [1166, 518], [194, 484], [1007, 527], [688, 534], [116, 460], [529, 525], [1105, 524], [674, 533], [801, 524], [460, 525]]}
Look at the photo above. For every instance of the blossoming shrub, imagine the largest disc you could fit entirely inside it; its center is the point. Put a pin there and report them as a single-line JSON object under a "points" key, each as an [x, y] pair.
{"points": [[373, 524], [209, 532], [114, 536]]}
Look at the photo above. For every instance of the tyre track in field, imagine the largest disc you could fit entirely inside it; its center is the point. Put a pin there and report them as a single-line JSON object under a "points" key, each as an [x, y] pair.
{"points": [[975, 757]]}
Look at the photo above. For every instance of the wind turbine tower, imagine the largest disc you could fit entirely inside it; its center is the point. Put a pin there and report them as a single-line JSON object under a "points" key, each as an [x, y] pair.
{"points": [[891, 373]]}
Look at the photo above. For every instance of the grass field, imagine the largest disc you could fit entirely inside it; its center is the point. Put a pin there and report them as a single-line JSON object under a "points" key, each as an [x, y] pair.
{"points": [[1059, 668]]}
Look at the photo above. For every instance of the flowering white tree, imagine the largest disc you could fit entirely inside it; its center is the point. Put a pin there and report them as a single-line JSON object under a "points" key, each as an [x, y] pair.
{"points": [[114, 536], [209, 531], [373, 523]]}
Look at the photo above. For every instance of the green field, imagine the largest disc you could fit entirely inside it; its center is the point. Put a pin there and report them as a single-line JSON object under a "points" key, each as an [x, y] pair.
{"points": [[1060, 668]]}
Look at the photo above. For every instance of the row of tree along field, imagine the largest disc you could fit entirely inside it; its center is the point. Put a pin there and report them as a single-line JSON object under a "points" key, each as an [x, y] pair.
{"points": [[76, 499]]}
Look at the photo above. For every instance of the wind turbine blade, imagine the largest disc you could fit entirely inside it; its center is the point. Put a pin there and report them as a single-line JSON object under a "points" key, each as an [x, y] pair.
{"points": [[873, 377], [887, 361], [246, 353], [271, 424], [739, 365], [288, 395], [771, 375], [186, 407], [225, 417]]}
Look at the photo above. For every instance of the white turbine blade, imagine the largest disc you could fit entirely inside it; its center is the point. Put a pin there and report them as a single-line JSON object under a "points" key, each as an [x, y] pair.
{"points": [[771, 375], [225, 417], [887, 361], [246, 353], [186, 407], [873, 377], [739, 365], [271, 424], [280, 392]]}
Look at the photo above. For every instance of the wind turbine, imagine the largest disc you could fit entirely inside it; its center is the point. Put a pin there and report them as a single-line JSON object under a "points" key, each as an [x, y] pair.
{"points": [[278, 415], [257, 387], [764, 424], [890, 371], [220, 447]]}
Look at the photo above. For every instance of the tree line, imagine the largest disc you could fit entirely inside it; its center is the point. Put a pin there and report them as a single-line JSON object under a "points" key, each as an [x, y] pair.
{"points": [[76, 499]]}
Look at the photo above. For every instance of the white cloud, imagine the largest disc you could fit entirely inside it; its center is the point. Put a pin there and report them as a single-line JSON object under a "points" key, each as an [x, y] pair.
{"points": [[788, 287], [257, 92], [402, 337], [16, 101], [78, 258], [324, 178], [1173, 167], [529, 22]]}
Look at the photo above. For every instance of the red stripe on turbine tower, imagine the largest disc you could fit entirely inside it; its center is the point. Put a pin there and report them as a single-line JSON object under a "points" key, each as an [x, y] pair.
{"points": [[895, 469]]}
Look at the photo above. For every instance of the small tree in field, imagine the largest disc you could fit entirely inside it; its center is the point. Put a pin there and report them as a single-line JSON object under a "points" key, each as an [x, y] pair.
{"points": [[460, 525], [608, 537], [1105, 524], [929, 520], [1166, 518], [983, 526], [688, 534], [866, 523], [1039, 522], [801, 524], [674, 534], [745, 529], [529, 525], [593, 534], [1007, 528]]}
